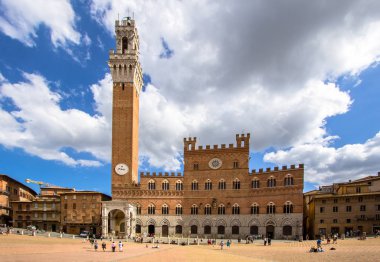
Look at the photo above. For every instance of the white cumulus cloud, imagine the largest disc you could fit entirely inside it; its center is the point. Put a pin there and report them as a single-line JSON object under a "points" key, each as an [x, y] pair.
{"points": [[42, 128], [21, 19]]}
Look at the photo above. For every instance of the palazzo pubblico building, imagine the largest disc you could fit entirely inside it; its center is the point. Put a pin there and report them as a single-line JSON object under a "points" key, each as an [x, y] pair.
{"points": [[216, 196]]}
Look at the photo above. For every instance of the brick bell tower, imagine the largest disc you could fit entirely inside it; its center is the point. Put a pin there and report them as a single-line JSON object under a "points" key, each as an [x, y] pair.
{"points": [[127, 83]]}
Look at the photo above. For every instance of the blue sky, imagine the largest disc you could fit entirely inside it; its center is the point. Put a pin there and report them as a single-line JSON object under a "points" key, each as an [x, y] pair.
{"points": [[302, 78]]}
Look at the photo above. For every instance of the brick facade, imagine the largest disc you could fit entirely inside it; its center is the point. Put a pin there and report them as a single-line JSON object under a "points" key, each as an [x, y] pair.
{"points": [[216, 196]]}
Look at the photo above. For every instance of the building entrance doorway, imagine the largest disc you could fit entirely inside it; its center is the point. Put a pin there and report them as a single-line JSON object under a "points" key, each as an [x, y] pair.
{"points": [[117, 222], [270, 231], [151, 230], [165, 230]]}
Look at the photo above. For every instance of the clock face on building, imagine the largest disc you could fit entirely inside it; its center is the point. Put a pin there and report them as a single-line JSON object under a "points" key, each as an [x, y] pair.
{"points": [[121, 169], [215, 163]]}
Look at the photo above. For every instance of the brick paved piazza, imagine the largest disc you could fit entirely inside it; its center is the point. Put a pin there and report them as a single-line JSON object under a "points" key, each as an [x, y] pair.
{"points": [[28, 248]]}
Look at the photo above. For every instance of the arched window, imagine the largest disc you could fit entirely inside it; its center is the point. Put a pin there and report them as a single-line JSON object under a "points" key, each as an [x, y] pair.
{"points": [[221, 230], [178, 229], [138, 209], [235, 209], [271, 208], [196, 166], [151, 209], [151, 185], [194, 229], [165, 209], [221, 209], [124, 46], [288, 180], [236, 183], [194, 209], [235, 230], [288, 207], [208, 184], [178, 209], [222, 184], [271, 182], [255, 183], [255, 209], [194, 185], [165, 185], [207, 209], [207, 230], [179, 185], [130, 69]]}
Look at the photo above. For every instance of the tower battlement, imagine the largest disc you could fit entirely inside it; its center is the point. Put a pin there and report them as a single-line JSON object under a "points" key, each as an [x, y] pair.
{"points": [[126, 21], [276, 169], [242, 141]]}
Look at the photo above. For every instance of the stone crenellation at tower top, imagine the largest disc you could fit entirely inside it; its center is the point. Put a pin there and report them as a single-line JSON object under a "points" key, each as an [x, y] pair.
{"points": [[242, 141]]}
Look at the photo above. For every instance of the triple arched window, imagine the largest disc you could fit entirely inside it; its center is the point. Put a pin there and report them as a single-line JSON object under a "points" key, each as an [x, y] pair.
{"points": [[151, 209], [194, 185], [207, 209], [288, 180], [288, 207], [179, 185], [178, 209], [194, 209], [235, 209], [271, 208], [236, 183], [165, 209], [255, 183], [255, 209], [221, 209], [222, 184], [151, 185], [271, 182], [208, 184], [165, 185]]}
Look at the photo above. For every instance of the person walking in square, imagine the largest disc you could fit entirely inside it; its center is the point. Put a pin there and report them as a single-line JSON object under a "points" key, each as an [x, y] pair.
{"points": [[221, 245], [113, 246], [104, 246], [96, 245], [228, 243], [120, 246]]}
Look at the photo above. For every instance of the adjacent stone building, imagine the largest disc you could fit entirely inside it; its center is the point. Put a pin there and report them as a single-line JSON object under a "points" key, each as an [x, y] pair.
{"points": [[215, 196], [12, 190], [347, 208], [81, 211]]}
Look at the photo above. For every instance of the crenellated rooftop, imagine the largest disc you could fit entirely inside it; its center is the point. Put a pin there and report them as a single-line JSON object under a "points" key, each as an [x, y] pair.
{"points": [[276, 169], [242, 141]]}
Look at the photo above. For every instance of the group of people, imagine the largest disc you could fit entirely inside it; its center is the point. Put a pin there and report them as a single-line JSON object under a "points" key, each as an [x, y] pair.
{"points": [[228, 244], [104, 246], [267, 240], [334, 238]]}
